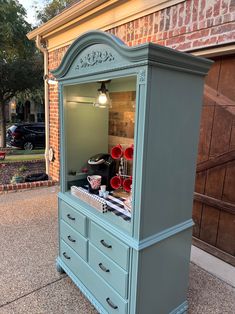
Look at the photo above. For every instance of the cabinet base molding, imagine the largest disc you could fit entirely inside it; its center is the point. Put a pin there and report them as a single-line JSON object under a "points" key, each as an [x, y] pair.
{"points": [[160, 236], [80, 285]]}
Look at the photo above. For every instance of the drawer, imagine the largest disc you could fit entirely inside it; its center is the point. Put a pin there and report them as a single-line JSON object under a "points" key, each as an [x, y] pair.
{"points": [[109, 245], [73, 217], [110, 300], [110, 271], [73, 239]]}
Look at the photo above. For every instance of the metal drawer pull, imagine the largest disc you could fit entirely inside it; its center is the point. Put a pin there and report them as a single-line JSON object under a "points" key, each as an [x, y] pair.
{"points": [[105, 244], [69, 216], [102, 267], [66, 256], [110, 303], [71, 239]]}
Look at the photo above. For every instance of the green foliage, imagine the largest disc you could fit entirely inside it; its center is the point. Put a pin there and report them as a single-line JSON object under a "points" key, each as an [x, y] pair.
{"points": [[23, 168], [13, 30], [51, 8], [20, 75], [21, 65]]}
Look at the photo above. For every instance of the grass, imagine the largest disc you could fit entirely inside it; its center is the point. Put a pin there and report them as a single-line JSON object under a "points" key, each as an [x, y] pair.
{"points": [[13, 158], [27, 152]]}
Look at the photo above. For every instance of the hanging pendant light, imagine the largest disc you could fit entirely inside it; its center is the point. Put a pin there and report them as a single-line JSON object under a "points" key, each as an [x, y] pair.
{"points": [[103, 100]]}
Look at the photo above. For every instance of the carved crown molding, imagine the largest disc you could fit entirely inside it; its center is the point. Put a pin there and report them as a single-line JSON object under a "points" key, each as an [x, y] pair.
{"points": [[94, 58]]}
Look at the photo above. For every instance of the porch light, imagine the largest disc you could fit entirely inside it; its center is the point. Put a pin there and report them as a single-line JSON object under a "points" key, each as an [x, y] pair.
{"points": [[50, 81], [103, 100]]}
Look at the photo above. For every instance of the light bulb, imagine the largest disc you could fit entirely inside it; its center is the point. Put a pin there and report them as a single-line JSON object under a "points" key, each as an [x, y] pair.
{"points": [[102, 98]]}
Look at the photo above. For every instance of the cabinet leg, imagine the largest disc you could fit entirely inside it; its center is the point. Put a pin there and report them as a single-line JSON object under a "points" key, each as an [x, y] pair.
{"points": [[59, 268]]}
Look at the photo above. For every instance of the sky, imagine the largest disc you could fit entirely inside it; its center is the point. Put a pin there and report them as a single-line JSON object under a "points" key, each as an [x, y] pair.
{"points": [[30, 11]]}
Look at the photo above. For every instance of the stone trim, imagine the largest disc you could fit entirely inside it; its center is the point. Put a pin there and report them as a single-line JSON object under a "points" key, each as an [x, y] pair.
{"points": [[6, 188]]}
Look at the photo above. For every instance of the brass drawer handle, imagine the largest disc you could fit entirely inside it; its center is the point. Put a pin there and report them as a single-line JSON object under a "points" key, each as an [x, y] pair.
{"points": [[110, 303], [70, 217], [66, 256], [105, 244], [102, 267], [71, 239]]}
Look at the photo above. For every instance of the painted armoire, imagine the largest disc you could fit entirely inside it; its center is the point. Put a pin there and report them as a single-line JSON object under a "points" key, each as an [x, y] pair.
{"points": [[136, 263]]}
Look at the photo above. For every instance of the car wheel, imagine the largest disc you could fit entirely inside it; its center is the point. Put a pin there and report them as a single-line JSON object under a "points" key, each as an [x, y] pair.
{"points": [[28, 146]]}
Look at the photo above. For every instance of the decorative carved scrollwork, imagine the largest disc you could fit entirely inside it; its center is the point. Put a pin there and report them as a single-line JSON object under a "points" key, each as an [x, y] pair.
{"points": [[142, 76], [93, 58]]}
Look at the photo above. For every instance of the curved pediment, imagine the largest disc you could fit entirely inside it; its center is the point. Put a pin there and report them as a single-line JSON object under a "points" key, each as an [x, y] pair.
{"points": [[94, 51]]}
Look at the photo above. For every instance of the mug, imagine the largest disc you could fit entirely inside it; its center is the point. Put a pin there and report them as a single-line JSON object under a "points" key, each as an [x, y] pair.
{"points": [[116, 152], [103, 188], [116, 182], [127, 184], [128, 153], [95, 181]]}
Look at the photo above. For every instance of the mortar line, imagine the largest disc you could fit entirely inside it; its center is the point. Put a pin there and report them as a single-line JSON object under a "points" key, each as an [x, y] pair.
{"points": [[31, 292]]}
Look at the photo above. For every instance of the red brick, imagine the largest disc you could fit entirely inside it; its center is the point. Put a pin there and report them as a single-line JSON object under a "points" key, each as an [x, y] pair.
{"points": [[227, 18], [182, 30], [184, 46], [202, 10], [198, 34], [223, 29], [161, 27], [181, 14], [224, 7], [188, 12], [195, 10], [209, 9], [175, 40], [216, 10], [226, 38], [232, 6], [174, 17]]}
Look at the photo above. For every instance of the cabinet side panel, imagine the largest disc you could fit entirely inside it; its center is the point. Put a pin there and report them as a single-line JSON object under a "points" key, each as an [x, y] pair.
{"points": [[163, 275], [170, 149]]}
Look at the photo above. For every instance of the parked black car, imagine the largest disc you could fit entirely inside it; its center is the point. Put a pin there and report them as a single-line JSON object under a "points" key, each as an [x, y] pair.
{"points": [[26, 136]]}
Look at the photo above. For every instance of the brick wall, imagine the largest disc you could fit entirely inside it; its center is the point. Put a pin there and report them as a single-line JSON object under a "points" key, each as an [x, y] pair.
{"points": [[190, 25]]}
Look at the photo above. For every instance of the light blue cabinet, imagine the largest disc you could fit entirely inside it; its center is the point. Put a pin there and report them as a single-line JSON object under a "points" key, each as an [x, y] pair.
{"points": [[137, 264]]}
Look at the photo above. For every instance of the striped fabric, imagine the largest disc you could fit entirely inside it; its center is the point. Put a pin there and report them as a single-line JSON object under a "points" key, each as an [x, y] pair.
{"points": [[116, 206]]}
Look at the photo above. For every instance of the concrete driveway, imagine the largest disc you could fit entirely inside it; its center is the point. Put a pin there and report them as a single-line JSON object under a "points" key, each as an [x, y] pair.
{"points": [[29, 282]]}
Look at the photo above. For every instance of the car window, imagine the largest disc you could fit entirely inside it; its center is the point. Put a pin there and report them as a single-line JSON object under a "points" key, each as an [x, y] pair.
{"points": [[13, 128], [28, 129], [35, 129]]}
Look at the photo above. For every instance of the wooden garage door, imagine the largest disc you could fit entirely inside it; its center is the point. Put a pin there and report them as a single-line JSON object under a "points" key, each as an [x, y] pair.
{"points": [[214, 201]]}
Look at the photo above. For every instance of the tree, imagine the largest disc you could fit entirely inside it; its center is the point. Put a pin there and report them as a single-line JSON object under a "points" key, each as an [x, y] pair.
{"points": [[51, 8], [13, 30], [21, 65]]}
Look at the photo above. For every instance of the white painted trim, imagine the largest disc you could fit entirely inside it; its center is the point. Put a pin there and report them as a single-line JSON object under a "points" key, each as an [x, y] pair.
{"points": [[103, 17], [215, 51]]}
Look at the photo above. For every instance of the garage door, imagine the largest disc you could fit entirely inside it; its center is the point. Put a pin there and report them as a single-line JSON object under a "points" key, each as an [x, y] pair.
{"points": [[214, 201]]}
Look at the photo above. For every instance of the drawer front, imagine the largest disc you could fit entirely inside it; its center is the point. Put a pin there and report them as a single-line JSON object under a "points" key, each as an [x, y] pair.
{"points": [[110, 271], [110, 246], [73, 217], [74, 239], [109, 299]]}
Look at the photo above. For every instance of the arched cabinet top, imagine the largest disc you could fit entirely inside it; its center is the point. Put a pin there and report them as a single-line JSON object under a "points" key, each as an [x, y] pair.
{"points": [[97, 51]]}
